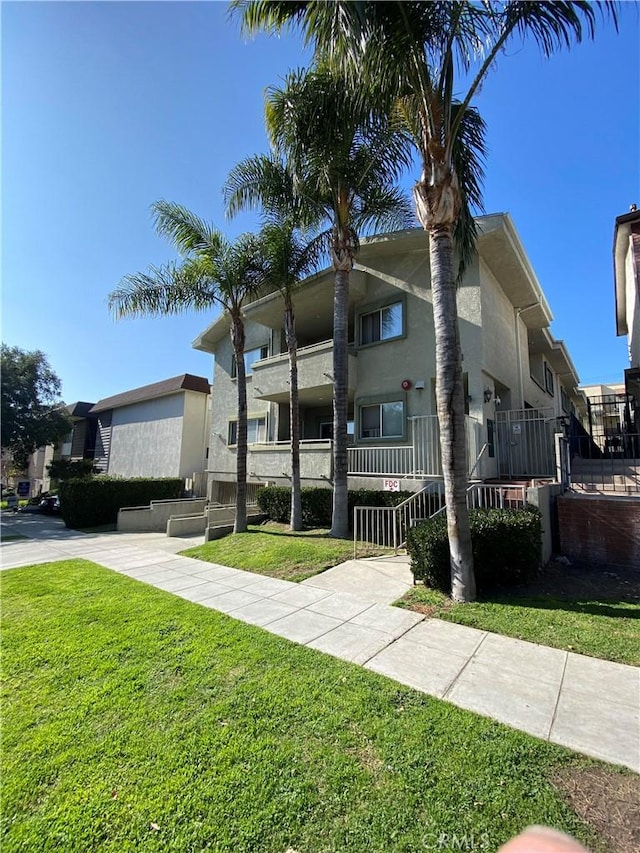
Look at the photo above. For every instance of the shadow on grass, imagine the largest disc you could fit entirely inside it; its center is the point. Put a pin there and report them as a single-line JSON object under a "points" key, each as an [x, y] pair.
{"points": [[605, 607], [297, 534]]}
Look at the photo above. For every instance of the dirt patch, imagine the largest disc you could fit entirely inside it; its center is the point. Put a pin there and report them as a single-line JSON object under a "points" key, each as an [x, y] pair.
{"points": [[581, 580], [608, 801]]}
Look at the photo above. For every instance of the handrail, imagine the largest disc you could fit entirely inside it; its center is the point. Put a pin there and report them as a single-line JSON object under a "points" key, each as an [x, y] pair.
{"points": [[390, 530]]}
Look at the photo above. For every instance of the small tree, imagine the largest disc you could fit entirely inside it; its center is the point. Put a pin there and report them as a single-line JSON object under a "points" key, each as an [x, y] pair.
{"points": [[32, 413], [66, 469]]}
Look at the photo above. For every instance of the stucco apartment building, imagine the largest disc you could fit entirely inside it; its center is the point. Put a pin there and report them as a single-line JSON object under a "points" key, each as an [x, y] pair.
{"points": [[520, 382], [157, 430], [626, 266]]}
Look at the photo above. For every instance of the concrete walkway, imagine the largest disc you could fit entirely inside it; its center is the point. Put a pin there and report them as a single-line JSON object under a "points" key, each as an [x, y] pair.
{"points": [[588, 705]]}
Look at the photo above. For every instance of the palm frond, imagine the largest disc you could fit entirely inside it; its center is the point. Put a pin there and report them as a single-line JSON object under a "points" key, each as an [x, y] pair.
{"points": [[169, 289], [184, 229]]}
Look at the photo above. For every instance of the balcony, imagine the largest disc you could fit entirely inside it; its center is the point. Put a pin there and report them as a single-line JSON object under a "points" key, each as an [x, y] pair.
{"points": [[270, 378], [273, 460]]}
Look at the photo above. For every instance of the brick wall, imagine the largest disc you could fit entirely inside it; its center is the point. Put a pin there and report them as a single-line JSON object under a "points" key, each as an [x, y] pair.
{"points": [[604, 530]]}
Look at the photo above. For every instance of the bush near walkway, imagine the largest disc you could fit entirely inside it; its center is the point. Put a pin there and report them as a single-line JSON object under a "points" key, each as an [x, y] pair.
{"points": [[96, 501], [317, 504], [506, 545]]}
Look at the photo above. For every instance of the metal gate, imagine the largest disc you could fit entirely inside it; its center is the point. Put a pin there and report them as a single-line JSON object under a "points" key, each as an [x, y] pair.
{"points": [[525, 442]]}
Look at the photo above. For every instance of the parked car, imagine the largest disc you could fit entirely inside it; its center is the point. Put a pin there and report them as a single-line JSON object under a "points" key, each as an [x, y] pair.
{"points": [[50, 504]]}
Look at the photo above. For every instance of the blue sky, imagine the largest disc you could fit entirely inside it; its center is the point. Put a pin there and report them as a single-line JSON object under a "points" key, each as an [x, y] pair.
{"points": [[108, 107]]}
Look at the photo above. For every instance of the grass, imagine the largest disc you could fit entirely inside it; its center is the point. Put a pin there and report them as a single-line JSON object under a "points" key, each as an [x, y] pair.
{"points": [[601, 629], [272, 549], [137, 721], [11, 537]]}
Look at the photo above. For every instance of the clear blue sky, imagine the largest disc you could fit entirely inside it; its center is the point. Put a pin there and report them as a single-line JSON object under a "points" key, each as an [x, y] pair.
{"points": [[108, 107]]}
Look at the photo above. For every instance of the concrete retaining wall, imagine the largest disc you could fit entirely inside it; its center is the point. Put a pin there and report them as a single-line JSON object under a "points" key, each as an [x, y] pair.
{"points": [[154, 518], [187, 525], [545, 498]]}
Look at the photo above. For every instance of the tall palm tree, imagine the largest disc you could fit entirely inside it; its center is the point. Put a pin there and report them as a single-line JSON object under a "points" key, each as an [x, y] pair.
{"points": [[213, 272], [289, 259], [412, 50], [344, 162], [265, 182]]}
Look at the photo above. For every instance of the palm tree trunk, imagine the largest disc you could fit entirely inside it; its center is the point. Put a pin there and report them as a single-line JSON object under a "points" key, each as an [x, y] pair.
{"points": [[340, 517], [450, 402], [294, 413], [237, 340]]}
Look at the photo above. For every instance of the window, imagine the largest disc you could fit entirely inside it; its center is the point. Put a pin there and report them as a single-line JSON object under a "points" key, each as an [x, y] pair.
{"points": [[548, 380], [382, 420], [564, 400], [381, 325], [250, 356], [256, 431]]}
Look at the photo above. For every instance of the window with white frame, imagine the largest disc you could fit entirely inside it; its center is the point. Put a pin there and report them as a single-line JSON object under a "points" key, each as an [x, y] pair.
{"points": [[256, 431], [382, 324], [251, 356], [382, 420]]}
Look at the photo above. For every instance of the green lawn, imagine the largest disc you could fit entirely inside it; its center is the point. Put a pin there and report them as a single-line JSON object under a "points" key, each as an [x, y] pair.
{"points": [[272, 549], [601, 629], [136, 721]]}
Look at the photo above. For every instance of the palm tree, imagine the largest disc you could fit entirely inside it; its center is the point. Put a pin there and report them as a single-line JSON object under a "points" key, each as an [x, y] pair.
{"points": [[412, 51], [344, 162], [265, 182], [213, 272]]}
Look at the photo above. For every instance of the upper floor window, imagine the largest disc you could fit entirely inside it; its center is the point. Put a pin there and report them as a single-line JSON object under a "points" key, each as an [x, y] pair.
{"points": [[251, 356], [548, 379], [382, 420], [382, 324], [564, 400], [256, 431]]}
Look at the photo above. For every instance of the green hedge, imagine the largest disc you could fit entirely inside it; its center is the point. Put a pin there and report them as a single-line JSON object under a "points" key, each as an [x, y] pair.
{"points": [[317, 504], [91, 503], [506, 545]]}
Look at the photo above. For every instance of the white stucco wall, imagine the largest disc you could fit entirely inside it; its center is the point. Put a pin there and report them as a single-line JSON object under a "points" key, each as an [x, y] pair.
{"points": [[222, 459], [633, 309], [146, 438], [195, 433]]}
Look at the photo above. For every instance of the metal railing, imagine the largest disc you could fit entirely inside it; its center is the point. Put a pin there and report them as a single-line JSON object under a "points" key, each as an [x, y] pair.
{"points": [[419, 459], [380, 460], [386, 526], [612, 466], [525, 442], [490, 496]]}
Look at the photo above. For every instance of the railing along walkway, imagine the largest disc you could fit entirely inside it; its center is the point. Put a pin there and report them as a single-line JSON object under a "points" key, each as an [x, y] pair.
{"points": [[387, 527]]}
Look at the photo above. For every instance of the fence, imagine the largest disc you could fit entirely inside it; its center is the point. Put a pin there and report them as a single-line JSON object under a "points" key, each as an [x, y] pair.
{"points": [[421, 458], [387, 527], [606, 446], [525, 442]]}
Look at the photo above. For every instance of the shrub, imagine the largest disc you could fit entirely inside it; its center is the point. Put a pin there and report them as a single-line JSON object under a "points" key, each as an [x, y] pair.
{"points": [[93, 502], [506, 546], [275, 501], [317, 503]]}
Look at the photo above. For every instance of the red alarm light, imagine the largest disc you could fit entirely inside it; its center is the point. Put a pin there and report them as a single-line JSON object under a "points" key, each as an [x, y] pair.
{"points": [[406, 384]]}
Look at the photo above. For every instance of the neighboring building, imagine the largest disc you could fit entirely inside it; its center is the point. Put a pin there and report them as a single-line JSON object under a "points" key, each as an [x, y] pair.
{"points": [[626, 268], [159, 430], [520, 383]]}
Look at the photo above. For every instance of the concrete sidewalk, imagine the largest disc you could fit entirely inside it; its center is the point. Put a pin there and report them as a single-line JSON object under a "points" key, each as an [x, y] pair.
{"points": [[588, 705]]}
